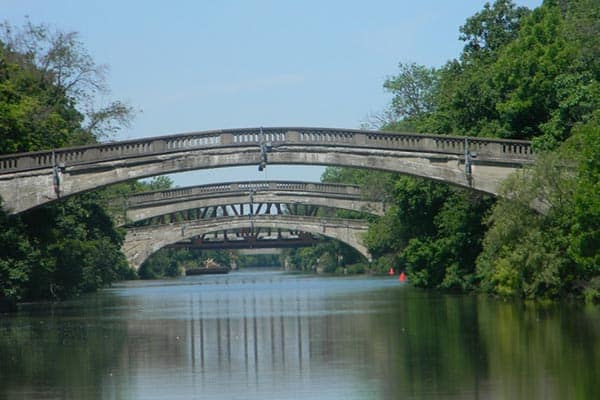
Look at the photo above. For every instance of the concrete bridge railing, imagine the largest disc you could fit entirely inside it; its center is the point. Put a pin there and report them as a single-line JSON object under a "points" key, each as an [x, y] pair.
{"points": [[160, 203], [224, 189], [30, 179], [515, 151]]}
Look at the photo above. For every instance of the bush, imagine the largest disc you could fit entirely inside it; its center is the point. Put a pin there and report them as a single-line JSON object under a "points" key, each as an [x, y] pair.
{"points": [[356, 269]]}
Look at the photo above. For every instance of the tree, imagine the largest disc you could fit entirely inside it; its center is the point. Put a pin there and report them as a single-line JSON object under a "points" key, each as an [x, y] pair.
{"points": [[551, 255], [521, 75], [58, 63], [432, 231], [548, 89], [375, 185], [17, 254], [31, 118], [534, 82], [48, 84], [414, 90], [486, 32], [80, 248], [584, 245]]}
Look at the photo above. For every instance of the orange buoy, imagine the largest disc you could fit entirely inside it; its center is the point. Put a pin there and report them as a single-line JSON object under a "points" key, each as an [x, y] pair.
{"points": [[402, 277]]}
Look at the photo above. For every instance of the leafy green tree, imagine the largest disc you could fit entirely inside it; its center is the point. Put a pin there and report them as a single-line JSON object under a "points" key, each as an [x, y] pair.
{"points": [[375, 185], [585, 246], [48, 86], [80, 248], [525, 74], [431, 230], [159, 265], [258, 260], [490, 29], [168, 262], [414, 90], [468, 94], [553, 84], [460, 231], [412, 213], [555, 253], [17, 255], [30, 118], [64, 85], [521, 75], [330, 256]]}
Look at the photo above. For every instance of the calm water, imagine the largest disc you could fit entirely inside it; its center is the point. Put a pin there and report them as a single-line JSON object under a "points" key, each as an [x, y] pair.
{"points": [[266, 335]]}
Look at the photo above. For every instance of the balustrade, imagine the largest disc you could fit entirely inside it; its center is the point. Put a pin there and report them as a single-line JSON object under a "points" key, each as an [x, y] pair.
{"points": [[244, 187], [497, 149]]}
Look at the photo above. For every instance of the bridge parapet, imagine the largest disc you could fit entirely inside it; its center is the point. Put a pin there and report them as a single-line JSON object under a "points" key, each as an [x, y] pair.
{"points": [[486, 148], [499, 150], [221, 189]]}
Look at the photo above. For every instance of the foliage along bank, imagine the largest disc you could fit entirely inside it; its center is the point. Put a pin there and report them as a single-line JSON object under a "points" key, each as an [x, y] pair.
{"points": [[48, 98], [171, 263], [522, 74]]}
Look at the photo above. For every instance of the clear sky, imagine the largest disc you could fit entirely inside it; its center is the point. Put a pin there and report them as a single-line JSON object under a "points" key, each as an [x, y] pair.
{"points": [[205, 64]]}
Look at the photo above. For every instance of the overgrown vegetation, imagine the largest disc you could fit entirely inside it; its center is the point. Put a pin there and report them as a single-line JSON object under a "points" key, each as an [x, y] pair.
{"points": [[522, 74], [173, 262], [48, 98], [329, 257]]}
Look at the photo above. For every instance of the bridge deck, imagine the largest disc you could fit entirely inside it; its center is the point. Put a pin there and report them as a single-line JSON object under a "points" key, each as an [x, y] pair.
{"points": [[30, 179], [234, 188], [498, 150]]}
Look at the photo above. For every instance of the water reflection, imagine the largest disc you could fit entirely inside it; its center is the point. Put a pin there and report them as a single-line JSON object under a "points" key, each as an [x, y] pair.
{"points": [[252, 336], [50, 352], [273, 336]]}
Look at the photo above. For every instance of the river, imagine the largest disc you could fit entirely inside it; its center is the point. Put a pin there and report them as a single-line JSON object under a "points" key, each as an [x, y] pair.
{"points": [[268, 335]]}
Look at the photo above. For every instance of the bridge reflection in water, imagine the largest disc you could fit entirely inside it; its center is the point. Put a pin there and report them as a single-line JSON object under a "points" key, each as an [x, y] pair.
{"points": [[253, 342], [273, 336], [278, 333]]}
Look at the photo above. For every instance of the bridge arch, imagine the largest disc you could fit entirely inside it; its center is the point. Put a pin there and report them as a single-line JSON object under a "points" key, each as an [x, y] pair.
{"points": [[142, 242], [152, 204], [31, 179]]}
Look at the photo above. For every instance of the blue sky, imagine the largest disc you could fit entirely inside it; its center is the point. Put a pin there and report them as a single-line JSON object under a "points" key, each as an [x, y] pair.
{"points": [[199, 65]]}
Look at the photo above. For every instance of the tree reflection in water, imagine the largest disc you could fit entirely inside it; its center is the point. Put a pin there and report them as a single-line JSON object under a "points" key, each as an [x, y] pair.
{"points": [[269, 335]]}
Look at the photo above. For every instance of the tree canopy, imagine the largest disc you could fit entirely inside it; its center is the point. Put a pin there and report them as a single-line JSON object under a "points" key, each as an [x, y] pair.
{"points": [[49, 88], [523, 74]]}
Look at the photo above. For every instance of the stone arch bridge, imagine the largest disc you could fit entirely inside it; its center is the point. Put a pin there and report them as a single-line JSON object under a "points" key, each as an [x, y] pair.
{"points": [[232, 196], [28, 180], [141, 242], [243, 209]]}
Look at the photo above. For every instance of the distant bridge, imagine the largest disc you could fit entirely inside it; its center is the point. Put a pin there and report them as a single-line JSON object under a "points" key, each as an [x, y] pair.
{"points": [[143, 241], [28, 180], [248, 202], [228, 195], [250, 238]]}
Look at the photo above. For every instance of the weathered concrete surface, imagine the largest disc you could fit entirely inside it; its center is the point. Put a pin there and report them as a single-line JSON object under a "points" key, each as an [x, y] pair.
{"points": [[27, 189], [140, 243], [151, 204], [143, 212], [224, 188], [28, 180]]}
